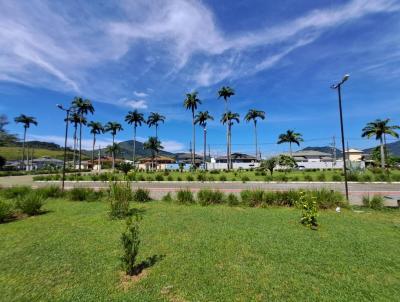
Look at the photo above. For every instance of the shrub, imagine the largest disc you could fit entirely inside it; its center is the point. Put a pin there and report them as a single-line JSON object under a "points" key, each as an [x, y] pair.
{"points": [[140, 177], [131, 176], [232, 199], [214, 172], [336, 177], [282, 177], [120, 196], [321, 177], [185, 196], [308, 177], [327, 199], [6, 211], [150, 178], [365, 177], [167, 197], [81, 194], [159, 177], [141, 195], [210, 178], [294, 178], [352, 176], [31, 203], [130, 244], [245, 178], [382, 177], [376, 202], [179, 178], [51, 192], [189, 177], [309, 212], [170, 178], [206, 197], [222, 177], [103, 177], [252, 198], [201, 177], [395, 177], [268, 178], [15, 192]]}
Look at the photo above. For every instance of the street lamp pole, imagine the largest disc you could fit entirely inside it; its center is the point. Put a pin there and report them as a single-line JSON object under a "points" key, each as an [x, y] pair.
{"points": [[338, 87]]}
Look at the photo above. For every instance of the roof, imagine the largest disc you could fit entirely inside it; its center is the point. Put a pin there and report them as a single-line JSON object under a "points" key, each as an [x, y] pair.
{"points": [[158, 159], [306, 153], [238, 156], [354, 151]]}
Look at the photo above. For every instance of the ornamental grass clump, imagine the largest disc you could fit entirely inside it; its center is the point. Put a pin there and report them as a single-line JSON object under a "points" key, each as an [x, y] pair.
{"points": [[185, 196], [15, 192], [6, 211], [207, 197], [120, 196], [376, 202], [31, 203], [141, 195], [252, 198]]}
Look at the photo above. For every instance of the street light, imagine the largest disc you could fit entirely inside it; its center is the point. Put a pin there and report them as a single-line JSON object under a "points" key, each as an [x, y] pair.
{"points": [[338, 87], [65, 142]]}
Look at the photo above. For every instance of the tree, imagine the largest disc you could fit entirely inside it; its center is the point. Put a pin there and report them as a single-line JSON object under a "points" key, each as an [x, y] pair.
{"points": [[83, 107], [201, 118], [287, 161], [269, 164], [136, 119], [229, 118], [253, 115], [290, 137], [2, 162], [226, 92], [26, 121], [95, 129], [155, 119], [5, 137], [154, 145], [380, 128], [113, 128], [75, 119], [190, 103], [124, 167]]}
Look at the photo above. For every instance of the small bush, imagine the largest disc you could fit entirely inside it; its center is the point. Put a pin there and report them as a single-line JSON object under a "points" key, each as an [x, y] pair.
{"points": [[308, 177], [376, 202], [15, 192], [130, 244], [31, 203], [222, 177], [328, 199], [6, 211], [282, 177], [268, 178], [170, 178], [294, 178], [210, 178], [245, 178], [150, 178], [382, 177], [336, 177], [232, 200], [206, 197], [159, 177], [131, 176], [395, 177], [201, 177], [353, 176], [309, 212], [51, 192], [179, 178], [252, 198], [214, 172], [103, 177], [365, 178], [140, 177], [81, 194], [189, 177], [141, 195], [167, 197], [185, 196], [120, 196], [321, 177]]}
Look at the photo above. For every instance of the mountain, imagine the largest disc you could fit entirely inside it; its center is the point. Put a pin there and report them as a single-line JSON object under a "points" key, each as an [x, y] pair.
{"points": [[325, 149], [126, 150], [393, 148]]}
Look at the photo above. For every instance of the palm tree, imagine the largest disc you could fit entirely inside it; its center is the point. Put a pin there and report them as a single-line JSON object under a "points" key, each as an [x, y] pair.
{"points": [[226, 92], [190, 103], [27, 121], [201, 118], [75, 120], [136, 118], [155, 119], [229, 118], [114, 128], [95, 129], [290, 137], [112, 150], [379, 128], [253, 115], [154, 145], [83, 107]]}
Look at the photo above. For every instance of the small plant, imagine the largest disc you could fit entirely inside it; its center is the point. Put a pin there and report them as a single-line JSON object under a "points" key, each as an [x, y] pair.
{"points": [[211, 178], [167, 197], [141, 195], [201, 177], [51, 192], [185, 196], [31, 203], [170, 178], [232, 200], [140, 177], [252, 198], [130, 244], [131, 176], [15, 192], [336, 177], [82, 194], [376, 202], [189, 177], [206, 197], [222, 177], [245, 178], [6, 211], [120, 196], [309, 212], [179, 178], [321, 176], [308, 177], [159, 177]]}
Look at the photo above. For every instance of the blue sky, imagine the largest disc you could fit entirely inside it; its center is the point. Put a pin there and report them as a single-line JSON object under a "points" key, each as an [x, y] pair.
{"points": [[279, 56]]}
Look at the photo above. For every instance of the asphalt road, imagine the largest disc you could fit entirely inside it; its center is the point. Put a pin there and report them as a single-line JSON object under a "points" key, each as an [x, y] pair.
{"points": [[158, 189]]}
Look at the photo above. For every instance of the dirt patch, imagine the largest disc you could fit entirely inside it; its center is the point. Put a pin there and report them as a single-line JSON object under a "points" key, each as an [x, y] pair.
{"points": [[126, 281]]}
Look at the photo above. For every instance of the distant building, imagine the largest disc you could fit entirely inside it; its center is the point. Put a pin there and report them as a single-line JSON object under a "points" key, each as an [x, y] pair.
{"points": [[160, 162], [239, 160], [41, 163], [354, 155]]}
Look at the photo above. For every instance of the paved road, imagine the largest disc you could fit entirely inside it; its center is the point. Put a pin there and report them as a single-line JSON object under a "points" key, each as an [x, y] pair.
{"points": [[158, 189]]}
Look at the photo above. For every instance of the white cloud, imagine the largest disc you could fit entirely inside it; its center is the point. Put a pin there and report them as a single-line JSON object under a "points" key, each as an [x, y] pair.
{"points": [[173, 146], [134, 104], [140, 94]]}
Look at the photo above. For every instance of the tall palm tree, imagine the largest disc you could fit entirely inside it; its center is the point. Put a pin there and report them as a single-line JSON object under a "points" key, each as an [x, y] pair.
{"points": [[75, 119], [154, 145], [201, 118], [136, 119], [26, 121], [155, 119], [253, 115], [226, 92], [190, 103], [379, 128], [290, 137], [229, 118], [113, 128], [95, 129], [83, 108]]}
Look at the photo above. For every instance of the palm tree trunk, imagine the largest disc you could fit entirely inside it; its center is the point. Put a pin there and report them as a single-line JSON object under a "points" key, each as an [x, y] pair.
{"points": [[227, 147], [290, 148], [382, 155], [255, 135], [94, 142], [75, 143], [23, 149], [194, 141], [230, 147], [384, 147], [113, 154], [80, 145], [205, 149], [157, 150], [134, 146]]}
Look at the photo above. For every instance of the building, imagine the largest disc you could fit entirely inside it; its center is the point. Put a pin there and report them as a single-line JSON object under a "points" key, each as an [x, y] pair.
{"points": [[239, 160], [41, 163], [354, 155], [160, 162], [186, 159]]}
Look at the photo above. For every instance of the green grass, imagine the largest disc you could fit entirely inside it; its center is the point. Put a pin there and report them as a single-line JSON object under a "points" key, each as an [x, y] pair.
{"points": [[214, 253], [15, 153]]}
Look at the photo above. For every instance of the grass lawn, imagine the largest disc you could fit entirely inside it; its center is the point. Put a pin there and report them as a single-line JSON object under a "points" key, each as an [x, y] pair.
{"points": [[214, 253], [15, 153]]}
